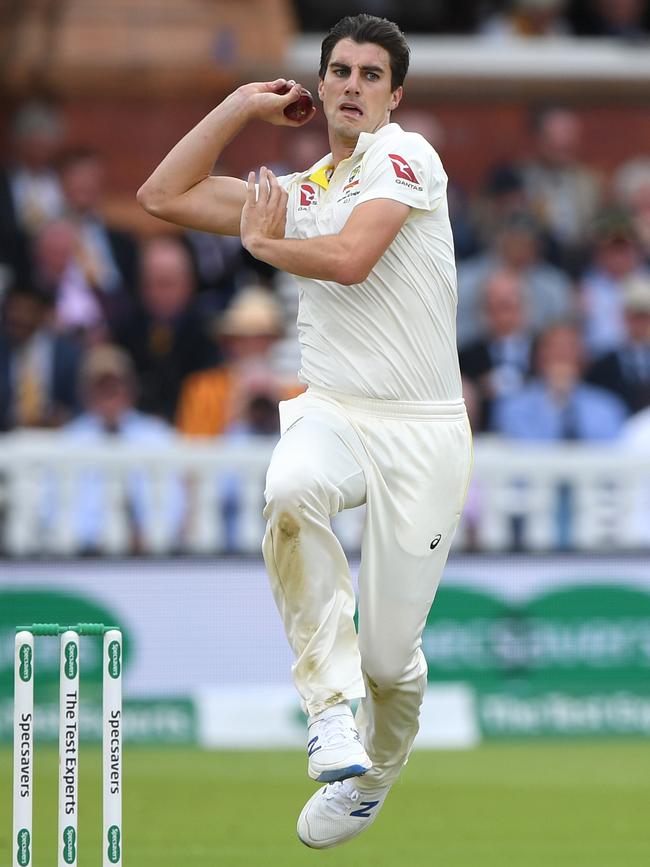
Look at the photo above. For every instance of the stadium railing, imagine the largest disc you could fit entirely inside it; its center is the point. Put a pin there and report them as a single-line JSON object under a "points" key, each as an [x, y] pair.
{"points": [[522, 497]]}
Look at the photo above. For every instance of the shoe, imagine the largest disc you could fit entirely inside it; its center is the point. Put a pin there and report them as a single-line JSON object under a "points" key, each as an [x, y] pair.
{"points": [[338, 812], [334, 747]]}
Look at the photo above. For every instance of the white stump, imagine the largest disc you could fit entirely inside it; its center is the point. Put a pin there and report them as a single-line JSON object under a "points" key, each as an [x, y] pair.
{"points": [[21, 841], [68, 749], [112, 748]]}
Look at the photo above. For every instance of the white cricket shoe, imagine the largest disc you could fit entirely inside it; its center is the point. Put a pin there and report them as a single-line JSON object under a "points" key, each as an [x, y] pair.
{"points": [[338, 812], [334, 747]]}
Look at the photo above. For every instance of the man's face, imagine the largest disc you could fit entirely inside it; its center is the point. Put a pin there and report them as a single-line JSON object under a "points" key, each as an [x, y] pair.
{"points": [[356, 92]]}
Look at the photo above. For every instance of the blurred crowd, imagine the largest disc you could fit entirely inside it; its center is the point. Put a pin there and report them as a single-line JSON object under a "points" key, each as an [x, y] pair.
{"points": [[622, 19], [103, 333]]}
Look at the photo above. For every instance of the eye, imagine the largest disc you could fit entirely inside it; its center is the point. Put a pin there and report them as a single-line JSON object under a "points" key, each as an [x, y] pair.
{"points": [[373, 76], [340, 72]]}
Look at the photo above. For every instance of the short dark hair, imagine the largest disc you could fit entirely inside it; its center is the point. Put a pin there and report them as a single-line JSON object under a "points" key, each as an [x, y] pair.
{"points": [[368, 28]]}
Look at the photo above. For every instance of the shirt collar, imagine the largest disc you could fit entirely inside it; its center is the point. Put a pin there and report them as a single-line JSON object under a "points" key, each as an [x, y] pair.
{"points": [[321, 172], [367, 138]]}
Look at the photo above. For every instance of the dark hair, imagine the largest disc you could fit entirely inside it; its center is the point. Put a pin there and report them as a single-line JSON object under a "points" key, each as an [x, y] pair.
{"points": [[368, 28]]}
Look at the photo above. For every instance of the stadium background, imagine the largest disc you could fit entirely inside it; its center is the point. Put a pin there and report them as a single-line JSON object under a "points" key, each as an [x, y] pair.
{"points": [[541, 629]]}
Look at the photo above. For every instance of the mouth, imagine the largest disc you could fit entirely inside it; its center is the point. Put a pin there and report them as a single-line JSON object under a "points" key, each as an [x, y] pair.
{"points": [[350, 109]]}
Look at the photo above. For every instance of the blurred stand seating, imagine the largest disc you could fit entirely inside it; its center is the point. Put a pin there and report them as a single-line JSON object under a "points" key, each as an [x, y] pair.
{"points": [[165, 334], [38, 366], [517, 247], [500, 361], [108, 387]]}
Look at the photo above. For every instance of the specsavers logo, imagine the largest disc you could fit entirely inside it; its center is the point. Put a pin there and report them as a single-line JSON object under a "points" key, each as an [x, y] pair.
{"points": [[403, 172]]}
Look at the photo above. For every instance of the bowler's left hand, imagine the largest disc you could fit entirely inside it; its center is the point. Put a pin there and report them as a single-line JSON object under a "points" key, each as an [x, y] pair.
{"points": [[264, 215]]}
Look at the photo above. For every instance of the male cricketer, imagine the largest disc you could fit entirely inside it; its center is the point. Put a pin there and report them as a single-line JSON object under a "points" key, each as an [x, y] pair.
{"points": [[366, 233]]}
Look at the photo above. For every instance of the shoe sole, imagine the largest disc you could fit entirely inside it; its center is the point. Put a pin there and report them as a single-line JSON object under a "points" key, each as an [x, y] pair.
{"points": [[339, 774]]}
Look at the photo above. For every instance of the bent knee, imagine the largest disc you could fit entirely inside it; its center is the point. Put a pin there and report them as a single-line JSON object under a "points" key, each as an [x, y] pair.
{"points": [[384, 674], [293, 490]]}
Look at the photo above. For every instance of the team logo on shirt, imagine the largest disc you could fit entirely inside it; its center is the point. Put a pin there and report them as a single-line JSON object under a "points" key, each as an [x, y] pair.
{"points": [[353, 178], [404, 173], [307, 196], [351, 187]]}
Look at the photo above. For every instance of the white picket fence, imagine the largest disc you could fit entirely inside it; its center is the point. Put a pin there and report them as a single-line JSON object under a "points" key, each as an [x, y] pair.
{"points": [[520, 495]]}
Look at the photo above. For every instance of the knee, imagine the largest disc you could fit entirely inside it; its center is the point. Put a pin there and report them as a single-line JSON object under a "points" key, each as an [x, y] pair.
{"points": [[293, 491], [384, 673]]}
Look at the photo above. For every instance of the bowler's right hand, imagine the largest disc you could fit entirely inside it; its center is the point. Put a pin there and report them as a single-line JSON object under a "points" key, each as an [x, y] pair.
{"points": [[267, 101]]}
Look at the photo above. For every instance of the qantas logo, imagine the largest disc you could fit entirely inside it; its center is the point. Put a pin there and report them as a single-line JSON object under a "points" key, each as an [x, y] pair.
{"points": [[307, 195], [402, 169]]}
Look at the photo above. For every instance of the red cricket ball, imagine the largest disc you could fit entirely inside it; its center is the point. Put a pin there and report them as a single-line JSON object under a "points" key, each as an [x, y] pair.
{"points": [[302, 107]]}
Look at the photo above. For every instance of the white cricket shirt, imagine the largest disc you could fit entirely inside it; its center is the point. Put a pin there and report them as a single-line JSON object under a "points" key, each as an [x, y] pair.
{"points": [[393, 336]]}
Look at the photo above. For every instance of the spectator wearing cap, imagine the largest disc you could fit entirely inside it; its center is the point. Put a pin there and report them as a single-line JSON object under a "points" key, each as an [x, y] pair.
{"points": [[499, 363], [108, 390], [166, 334], [517, 246], [241, 395], [616, 258], [557, 404], [625, 371], [38, 366]]}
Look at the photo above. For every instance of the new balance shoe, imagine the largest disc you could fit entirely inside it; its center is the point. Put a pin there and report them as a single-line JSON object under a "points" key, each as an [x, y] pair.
{"points": [[338, 812], [334, 748]]}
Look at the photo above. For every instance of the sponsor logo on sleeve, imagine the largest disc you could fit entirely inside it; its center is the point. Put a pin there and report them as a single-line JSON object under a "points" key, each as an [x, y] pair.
{"points": [[404, 174]]}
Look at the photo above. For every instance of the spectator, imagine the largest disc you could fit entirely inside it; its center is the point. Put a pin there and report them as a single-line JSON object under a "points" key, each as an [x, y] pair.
{"points": [[517, 248], [242, 395], [499, 363], [626, 19], [166, 335], [81, 309], [503, 194], [109, 255], [632, 191], [625, 371], [30, 192], [561, 190], [108, 389], [557, 404], [38, 367], [524, 18], [617, 257]]}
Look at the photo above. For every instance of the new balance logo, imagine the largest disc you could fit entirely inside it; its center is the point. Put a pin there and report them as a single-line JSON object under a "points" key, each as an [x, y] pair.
{"points": [[364, 811], [402, 168], [311, 746]]}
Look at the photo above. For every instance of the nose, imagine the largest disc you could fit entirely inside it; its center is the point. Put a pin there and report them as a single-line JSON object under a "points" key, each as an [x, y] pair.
{"points": [[352, 85]]}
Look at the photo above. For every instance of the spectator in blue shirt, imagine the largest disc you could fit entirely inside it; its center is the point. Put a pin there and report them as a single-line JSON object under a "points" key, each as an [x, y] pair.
{"points": [[557, 405]]}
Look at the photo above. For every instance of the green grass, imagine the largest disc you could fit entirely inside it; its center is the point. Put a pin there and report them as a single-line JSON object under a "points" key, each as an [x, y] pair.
{"points": [[510, 805]]}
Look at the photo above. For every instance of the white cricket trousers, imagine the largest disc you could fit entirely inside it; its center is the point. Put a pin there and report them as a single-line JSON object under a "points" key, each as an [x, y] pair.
{"points": [[409, 462]]}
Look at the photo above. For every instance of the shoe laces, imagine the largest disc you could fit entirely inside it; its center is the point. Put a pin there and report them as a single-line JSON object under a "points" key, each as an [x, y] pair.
{"points": [[337, 730], [340, 794]]}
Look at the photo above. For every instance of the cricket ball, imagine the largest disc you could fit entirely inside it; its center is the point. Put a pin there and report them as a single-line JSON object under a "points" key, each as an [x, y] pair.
{"points": [[302, 107]]}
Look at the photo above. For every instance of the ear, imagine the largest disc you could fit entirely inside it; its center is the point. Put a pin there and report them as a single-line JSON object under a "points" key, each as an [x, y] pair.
{"points": [[320, 89], [396, 98]]}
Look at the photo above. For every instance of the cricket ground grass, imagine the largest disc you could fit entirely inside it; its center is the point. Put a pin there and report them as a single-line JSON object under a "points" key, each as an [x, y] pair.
{"points": [[580, 804]]}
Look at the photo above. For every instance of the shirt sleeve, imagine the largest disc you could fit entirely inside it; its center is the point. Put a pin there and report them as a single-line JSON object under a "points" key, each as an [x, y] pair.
{"points": [[404, 168], [287, 183]]}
